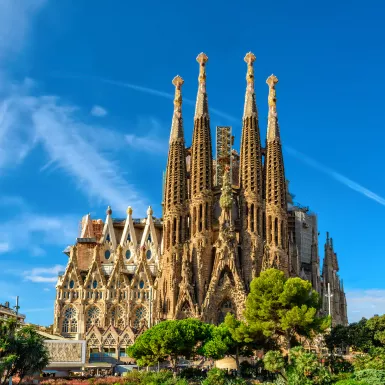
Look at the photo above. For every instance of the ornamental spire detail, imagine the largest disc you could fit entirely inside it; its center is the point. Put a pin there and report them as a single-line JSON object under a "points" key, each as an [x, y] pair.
{"points": [[201, 108], [177, 121], [273, 128], [250, 108]]}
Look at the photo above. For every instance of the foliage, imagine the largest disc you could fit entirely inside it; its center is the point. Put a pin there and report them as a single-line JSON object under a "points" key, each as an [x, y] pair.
{"points": [[371, 376], [233, 338], [351, 382], [219, 377], [22, 351], [374, 359], [361, 336], [169, 339], [303, 369], [192, 373], [283, 307], [337, 364]]}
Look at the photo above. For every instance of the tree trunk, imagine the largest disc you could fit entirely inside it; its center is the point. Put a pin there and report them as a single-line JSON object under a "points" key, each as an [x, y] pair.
{"points": [[237, 362]]}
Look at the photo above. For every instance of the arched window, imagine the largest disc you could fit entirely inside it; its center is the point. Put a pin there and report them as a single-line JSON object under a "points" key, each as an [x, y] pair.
{"points": [[117, 317], [276, 231], [225, 307], [128, 254], [92, 317], [70, 323], [139, 315], [252, 217], [148, 254], [185, 311]]}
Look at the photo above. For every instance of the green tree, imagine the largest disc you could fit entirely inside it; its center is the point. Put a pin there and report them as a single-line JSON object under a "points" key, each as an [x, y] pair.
{"points": [[169, 340], [283, 308], [22, 351], [232, 338]]}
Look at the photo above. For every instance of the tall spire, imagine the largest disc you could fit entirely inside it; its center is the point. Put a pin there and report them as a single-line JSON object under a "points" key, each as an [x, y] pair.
{"points": [[276, 198], [201, 107], [250, 108], [177, 121], [201, 185], [273, 129], [176, 179], [251, 180]]}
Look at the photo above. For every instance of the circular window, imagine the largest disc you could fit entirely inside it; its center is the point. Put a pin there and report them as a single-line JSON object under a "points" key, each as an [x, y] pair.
{"points": [[141, 284], [148, 254], [128, 254], [72, 284], [107, 254], [95, 284]]}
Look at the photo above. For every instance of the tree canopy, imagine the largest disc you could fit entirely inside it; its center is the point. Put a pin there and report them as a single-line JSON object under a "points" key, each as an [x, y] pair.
{"points": [[283, 308], [22, 351], [169, 339]]}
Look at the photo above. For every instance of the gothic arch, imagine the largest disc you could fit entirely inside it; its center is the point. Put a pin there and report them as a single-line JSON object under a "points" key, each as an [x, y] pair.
{"points": [[226, 273], [226, 306], [69, 319], [93, 316]]}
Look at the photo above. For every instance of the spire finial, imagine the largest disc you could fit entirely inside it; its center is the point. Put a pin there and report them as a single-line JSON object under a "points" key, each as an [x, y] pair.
{"points": [[202, 60], [178, 82], [271, 81], [250, 59], [109, 210], [129, 210]]}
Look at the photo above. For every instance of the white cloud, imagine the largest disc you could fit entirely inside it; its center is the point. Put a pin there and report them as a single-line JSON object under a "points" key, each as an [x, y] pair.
{"points": [[337, 176], [98, 111], [15, 23], [4, 247], [43, 274], [365, 303], [27, 230], [46, 289]]}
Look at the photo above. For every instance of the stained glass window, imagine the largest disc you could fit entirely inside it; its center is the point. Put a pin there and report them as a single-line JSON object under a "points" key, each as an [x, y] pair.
{"points": [[148, 254], [107, 254], [141, 284], [70, 324], [93, 315], [128, 254], [95, 284], [72, 284], [140, 313]]}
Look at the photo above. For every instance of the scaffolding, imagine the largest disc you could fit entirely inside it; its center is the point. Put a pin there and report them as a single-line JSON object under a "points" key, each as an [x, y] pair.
{"points": [[224, 142]]}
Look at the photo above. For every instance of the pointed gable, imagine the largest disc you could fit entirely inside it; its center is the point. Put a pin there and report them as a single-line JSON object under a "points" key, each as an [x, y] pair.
{"points": [[116, 274], [95, 271], [108, 234], [149, 237], [129, 236], [72, 272], [87, 227]]}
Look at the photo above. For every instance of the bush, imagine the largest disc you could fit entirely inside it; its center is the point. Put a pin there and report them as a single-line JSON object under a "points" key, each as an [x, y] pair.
{"points": [[374, 359], [337, 364], [192, 373], [371, 376], [351, 382], [215, 377]]}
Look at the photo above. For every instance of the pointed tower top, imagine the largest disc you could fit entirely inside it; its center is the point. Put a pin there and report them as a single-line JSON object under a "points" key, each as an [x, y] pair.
{"points": [[129, 210], [273, 129], [109, 210], [250, 108], [201, 108], [177, 123], [149, 211]]}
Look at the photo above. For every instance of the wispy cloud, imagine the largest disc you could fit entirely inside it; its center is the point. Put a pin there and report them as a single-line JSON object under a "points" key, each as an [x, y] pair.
{"points": [[146, 90], [43, 274], [365, 303], [15, 21], [37, 228], [98, 111], [337, 176]]}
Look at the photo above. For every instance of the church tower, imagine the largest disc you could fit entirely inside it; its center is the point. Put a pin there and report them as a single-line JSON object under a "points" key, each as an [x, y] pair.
{"points": [[276, 247], [201, 194], [251, 182], [175, 212]]}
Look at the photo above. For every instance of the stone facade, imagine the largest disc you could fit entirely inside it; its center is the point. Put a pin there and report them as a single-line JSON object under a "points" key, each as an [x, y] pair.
{"points": [[199, 259]]}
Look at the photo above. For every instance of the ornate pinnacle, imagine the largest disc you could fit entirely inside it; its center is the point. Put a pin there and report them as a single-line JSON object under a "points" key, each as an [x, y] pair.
{"points": [[129, 210], [202, 59], [250, 59], [177, 82], [272, 80]]}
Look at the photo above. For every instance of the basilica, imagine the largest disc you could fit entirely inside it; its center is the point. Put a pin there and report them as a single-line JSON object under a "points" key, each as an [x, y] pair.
{"points": [[225, 219]]}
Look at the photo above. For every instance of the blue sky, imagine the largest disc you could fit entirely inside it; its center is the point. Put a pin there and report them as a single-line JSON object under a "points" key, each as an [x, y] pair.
{"points": [[85, 114]]}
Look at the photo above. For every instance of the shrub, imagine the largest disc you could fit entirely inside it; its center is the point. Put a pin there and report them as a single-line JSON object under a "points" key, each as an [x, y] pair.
{"points": [[215, 377], [374, 359], [338, 364], [351, 382], [371, 376], [192, 373]]}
